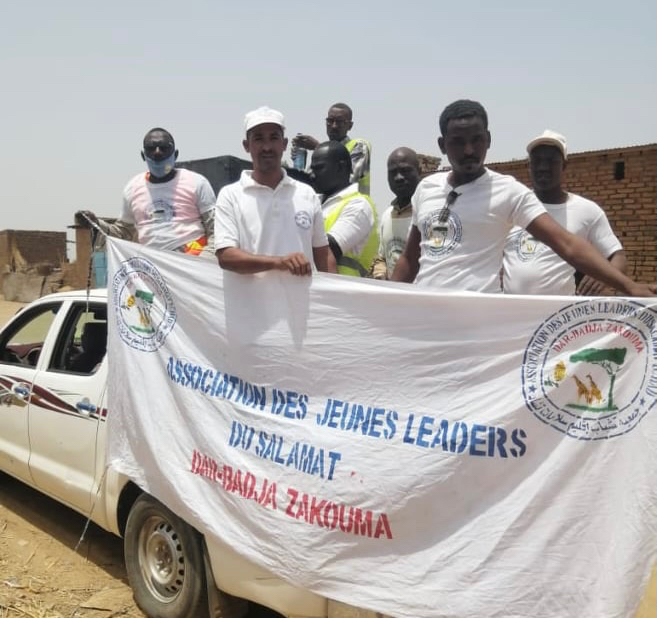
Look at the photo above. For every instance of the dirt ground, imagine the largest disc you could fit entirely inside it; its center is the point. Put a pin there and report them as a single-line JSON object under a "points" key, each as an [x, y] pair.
{"points": [[47, 571], [42, 575]]}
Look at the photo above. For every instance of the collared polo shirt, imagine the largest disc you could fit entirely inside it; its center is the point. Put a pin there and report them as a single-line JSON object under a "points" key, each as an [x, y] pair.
{"points": [[266, 221]]}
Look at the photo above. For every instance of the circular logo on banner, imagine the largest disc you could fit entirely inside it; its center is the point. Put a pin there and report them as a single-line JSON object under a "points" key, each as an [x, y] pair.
{"points": [[590, 370], [441, 237], [143, 305]]}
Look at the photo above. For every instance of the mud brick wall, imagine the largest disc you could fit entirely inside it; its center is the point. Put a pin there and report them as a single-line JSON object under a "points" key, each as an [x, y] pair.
{"points": [[76, 273], [623, 181], [428, 164], [41, 247], [20, 249], [5, 252]]}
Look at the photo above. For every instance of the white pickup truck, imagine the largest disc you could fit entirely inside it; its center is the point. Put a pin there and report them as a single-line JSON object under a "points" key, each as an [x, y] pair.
{"points": [[53, 434]]}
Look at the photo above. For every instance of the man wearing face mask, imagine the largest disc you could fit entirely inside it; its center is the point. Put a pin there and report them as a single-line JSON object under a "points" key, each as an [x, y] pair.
{"points": [[165, 208]]}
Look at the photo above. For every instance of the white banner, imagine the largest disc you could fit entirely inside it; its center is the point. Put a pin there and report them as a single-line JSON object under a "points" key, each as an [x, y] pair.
{"points": [[414, 453]]}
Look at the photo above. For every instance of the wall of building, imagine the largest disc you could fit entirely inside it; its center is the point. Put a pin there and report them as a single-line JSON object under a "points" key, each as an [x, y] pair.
{"points": [[77, 273], [30, 263], [623, 181], [428, 164], [20, 249]]}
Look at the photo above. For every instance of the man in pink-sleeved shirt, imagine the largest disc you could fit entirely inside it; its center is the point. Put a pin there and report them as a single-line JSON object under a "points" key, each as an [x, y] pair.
{"points": [[166, 208]]}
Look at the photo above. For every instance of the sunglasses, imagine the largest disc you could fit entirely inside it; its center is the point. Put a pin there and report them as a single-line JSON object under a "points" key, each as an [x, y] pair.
{"points": [[449, 202], [151, 148]]}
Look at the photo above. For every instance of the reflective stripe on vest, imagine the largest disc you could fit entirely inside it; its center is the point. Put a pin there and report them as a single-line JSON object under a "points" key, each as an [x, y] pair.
{"points": [[356, 264], [364, 182]]}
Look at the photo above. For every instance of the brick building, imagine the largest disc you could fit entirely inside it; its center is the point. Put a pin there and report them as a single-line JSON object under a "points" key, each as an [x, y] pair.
{"points": [[623, 181], [428, 164], [22, 249], [30, 263]]}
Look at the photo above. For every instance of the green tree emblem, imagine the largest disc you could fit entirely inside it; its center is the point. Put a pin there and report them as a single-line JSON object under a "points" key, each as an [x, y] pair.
{"points": [[610, 360], [143, 302]]}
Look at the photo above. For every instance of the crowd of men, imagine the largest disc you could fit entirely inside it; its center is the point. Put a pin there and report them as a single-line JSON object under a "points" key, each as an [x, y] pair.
{"points": [[466, 228]]}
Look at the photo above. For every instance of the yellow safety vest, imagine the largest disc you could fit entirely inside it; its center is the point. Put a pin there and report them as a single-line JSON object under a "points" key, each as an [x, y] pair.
{"points": [[356, 264], [364, 182]]}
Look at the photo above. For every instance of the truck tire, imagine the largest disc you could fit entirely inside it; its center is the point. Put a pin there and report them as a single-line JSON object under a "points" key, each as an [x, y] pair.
{"points": [[164, 562]]}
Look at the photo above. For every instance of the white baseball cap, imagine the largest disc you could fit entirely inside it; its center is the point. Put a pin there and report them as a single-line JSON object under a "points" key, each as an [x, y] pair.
{"points": [[549, 138], [263, 115]]}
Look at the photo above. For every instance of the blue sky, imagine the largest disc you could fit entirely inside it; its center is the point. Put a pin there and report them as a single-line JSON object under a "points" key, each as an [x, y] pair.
{"points": [[84, 82]]}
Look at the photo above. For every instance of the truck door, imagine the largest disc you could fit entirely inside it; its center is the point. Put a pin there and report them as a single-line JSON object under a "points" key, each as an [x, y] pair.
{"points": [[21, 345], [66, 407]]}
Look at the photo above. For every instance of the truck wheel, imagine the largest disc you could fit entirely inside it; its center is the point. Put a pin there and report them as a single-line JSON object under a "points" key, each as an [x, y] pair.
{"points": [[164, 562]]}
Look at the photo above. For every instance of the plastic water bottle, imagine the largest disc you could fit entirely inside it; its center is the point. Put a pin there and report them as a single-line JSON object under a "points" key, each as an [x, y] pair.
{"points": [[299, 160], [299, 157]]}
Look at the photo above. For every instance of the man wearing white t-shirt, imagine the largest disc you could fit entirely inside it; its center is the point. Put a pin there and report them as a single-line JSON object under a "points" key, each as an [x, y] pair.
{"points": [[461, 218], [530, 267], [403, 178], [349, 215], [165, 208], [266, 220]]}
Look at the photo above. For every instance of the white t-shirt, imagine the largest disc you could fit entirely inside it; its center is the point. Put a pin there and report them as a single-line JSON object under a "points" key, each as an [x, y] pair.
{"points": [[167, 215], [465, 252], [353, 226], [530, 267], [266, 221], [394, 232]]}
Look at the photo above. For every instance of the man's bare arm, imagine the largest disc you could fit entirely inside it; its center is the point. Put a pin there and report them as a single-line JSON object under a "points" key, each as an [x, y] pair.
{"points": [[118, 229], [321, 259], [207, 219], [304, 141], [592, 287], [409, 261]]}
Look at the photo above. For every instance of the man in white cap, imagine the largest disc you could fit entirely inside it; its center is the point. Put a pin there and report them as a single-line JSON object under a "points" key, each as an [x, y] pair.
{"points": [[266, 220], [531, 267]]}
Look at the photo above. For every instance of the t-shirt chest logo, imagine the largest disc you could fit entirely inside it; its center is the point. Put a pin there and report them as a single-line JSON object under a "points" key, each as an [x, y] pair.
{"points": [[303, 219], [160, 210], [393, 249], [527, 247], [441, 237]]}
